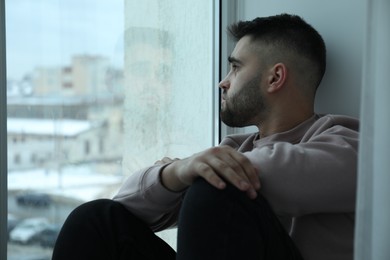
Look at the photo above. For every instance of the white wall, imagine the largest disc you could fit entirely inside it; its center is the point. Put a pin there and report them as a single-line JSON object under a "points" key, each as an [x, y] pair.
{"points": [[341, 23], [357, 35]]}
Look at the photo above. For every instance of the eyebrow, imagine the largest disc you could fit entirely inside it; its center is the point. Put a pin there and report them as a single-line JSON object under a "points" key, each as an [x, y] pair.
{"points": [[231, 59]]}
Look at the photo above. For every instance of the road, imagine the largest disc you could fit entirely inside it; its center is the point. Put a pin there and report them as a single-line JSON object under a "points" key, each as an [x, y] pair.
{"points": [[56, 213], [28, 252]]}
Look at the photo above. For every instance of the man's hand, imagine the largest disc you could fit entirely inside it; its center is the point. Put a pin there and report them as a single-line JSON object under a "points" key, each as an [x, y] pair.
{"points": [[217, 166]]}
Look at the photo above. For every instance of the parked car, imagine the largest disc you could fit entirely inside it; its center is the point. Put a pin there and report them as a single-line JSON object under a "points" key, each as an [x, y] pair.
{"points": [[12, 222], [34, 199], [26, 230], [48, 236]]}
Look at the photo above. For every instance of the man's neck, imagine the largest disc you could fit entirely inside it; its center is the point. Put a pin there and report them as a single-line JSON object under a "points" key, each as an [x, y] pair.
{"points": [[278, 124]]}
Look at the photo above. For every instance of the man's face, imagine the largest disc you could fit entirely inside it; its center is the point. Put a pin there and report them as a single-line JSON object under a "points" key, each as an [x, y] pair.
{"points": [[243, 101]]}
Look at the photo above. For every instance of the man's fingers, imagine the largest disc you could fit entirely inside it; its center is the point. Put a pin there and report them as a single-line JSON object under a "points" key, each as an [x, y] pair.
{"points": [[247, 170], [217, 180], [255, 180], [228, 171], [218, 169], [211, 177], [252, 194], [219, 166]]}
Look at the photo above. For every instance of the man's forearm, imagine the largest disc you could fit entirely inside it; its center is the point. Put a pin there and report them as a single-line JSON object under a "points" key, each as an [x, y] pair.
{"points": [[170, 180]]}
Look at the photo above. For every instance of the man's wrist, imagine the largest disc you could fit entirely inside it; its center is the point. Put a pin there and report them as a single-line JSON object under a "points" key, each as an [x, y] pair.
{"points": [[170, 180]]}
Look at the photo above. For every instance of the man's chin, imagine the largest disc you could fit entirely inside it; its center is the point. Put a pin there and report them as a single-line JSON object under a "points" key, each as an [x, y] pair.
{"points": [[229, 121], [234, 121]]}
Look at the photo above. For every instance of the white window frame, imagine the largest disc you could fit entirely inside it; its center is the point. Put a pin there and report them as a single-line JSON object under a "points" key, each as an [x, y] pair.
{"points": [[231, 11], [3, 137]]}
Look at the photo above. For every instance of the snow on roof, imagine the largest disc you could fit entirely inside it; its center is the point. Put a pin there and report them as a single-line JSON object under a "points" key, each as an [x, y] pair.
{"points": [[57, 100], [77, 182], [62, 127]]}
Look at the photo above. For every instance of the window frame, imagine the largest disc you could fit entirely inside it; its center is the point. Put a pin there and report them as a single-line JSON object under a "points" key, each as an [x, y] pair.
{"points": [[3, 137]]}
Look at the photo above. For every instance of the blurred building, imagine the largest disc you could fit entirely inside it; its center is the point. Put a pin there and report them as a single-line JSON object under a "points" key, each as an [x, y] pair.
{"points": [[86, 75], [49, 144], [66, 115]]}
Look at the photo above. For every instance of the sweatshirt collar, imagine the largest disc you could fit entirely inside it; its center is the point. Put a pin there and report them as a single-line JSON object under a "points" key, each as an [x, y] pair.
{"points": [[293, 135]]}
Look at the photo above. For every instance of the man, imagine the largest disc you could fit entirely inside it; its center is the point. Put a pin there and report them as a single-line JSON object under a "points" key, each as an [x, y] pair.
{"points": [[306, 164]]}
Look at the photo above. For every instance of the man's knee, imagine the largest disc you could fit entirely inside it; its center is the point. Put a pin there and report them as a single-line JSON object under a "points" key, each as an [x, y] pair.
{"points": [[202, 194], [204, 197], [94, 205], [90, 209]]}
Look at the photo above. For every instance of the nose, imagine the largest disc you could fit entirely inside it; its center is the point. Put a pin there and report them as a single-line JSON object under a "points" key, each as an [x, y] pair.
{"points": [[224, 84]]}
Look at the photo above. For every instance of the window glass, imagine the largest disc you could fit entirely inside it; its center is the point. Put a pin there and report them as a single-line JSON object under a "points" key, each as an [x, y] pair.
{"points": [[95, 91]]}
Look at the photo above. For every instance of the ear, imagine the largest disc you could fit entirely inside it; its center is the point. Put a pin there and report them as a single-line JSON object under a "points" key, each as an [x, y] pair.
{"points": [[276, 77]]}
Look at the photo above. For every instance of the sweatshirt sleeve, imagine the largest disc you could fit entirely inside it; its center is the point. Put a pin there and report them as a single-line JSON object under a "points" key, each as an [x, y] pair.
{"points": [[144, 195], [317, 175]]}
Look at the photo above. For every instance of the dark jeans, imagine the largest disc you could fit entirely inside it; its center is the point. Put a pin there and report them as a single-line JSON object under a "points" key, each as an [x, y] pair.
{"points": [[213, 224]]}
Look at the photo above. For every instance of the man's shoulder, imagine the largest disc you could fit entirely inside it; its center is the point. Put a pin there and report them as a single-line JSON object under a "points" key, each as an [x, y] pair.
{"points": [[314, 126], [332, 125], [330, 120]]}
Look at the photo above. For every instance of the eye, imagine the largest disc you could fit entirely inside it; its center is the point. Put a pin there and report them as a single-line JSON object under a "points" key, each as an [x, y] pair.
{"points": [[234, 67]]}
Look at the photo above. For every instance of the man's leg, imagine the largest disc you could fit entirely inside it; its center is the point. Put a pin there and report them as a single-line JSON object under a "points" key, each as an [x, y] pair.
{"points": [[226, 224], [104, 229]]}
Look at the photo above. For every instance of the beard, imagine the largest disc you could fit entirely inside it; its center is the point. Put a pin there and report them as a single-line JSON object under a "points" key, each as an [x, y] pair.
{"points": [[245, 106]]}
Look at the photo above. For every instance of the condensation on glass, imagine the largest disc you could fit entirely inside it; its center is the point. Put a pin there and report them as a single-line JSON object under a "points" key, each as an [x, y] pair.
{"points": [[95, 91]]}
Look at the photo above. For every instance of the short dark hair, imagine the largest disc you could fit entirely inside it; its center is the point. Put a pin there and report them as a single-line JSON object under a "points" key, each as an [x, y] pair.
{"points": [[287, 31]]}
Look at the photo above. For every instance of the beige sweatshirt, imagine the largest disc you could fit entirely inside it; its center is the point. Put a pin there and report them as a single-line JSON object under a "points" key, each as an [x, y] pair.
{"points": [[308, 175]]}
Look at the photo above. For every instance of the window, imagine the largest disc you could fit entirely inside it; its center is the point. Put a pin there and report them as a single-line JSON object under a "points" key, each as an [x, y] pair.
{"points": [[101, 145], [33, 158], [86, 147], [97, 90], [17, 159]]}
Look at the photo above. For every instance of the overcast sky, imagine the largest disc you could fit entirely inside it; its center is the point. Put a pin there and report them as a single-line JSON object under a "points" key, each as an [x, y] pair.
{"points": [[49, 32]]}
